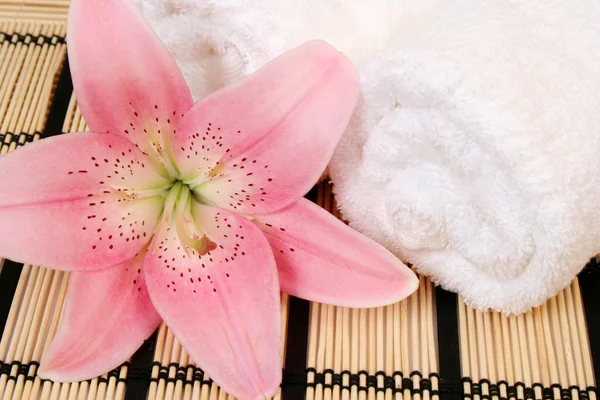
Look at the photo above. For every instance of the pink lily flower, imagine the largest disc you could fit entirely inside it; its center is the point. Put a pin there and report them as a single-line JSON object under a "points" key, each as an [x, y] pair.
{"points": [[188, 213]]}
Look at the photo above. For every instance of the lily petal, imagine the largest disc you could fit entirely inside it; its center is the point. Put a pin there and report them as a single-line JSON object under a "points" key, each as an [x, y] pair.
{"points": [[258, 146], [124, 77], [320, 258], [107, 317], [223, 306], [88, 190]]}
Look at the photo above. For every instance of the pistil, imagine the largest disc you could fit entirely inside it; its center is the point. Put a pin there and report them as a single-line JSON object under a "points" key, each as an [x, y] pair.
{"points": [[177, 214]]}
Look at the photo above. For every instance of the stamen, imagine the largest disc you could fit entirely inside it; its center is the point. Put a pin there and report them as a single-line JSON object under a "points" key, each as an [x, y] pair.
{"points": [[160, 150], [184, 223], [125, 195], [212, 172], [177, 214], [171, 201]]}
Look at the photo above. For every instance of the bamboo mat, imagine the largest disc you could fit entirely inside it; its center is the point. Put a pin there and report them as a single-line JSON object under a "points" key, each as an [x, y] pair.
{"points": [[34, 10], [429, 346]]}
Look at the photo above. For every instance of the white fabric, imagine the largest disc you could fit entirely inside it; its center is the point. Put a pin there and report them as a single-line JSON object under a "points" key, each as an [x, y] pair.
{"points": [[473, 151], [216, 41]]}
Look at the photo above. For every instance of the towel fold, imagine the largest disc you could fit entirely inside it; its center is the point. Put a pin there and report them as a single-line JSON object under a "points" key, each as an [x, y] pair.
{"points": [[472, 153], [217, 41]]}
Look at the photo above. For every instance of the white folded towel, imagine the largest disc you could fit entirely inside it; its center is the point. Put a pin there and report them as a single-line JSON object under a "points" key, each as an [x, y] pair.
{"points": [[472, 153], [217, 41]]}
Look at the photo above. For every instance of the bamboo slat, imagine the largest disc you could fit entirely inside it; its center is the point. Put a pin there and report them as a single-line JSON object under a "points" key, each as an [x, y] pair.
{"points": [[27, 71], [544, 352], [34, 10], [380, 353]]}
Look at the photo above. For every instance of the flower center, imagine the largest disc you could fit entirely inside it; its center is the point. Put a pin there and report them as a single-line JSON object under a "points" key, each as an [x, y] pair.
{"points": [[178, 215]]}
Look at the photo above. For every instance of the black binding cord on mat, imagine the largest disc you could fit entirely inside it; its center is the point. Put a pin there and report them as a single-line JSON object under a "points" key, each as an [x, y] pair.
{"points": [[485, 390], [589, 282], [29, 38], [17, 369], [21, 138], [181, 374], [380, 382], [447, 336]]}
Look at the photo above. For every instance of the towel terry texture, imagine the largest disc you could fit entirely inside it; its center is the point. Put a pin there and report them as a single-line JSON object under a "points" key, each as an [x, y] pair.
{"points": [[473, 151]]}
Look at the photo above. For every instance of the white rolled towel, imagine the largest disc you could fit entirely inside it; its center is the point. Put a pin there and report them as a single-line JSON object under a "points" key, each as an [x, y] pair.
{"points": [[472, 153], [217, 41]]}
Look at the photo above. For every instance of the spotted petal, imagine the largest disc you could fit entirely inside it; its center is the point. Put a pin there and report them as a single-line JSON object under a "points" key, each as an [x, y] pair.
{"points": [[68, 202], [223, 305], [258, 146], [320, 258], [124, 77], [107, 317]]}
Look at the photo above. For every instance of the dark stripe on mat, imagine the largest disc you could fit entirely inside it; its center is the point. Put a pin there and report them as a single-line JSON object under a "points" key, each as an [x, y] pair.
{"points": [[589, 281], [60, 102], [9, 279], [294, 378], [448, 341], [139, 374]]}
